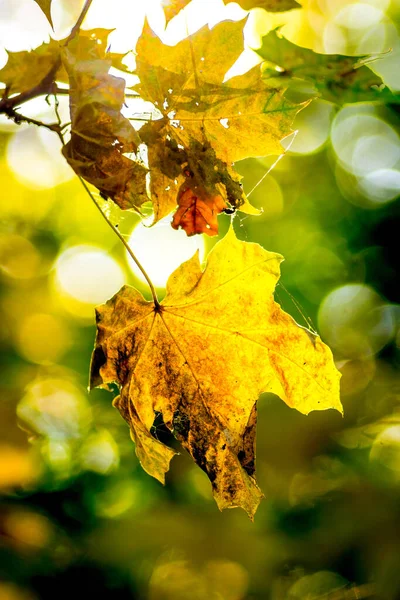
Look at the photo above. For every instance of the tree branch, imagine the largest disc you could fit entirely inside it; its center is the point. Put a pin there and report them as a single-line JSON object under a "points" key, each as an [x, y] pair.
{"points": [[18, 118], [45, 87]]}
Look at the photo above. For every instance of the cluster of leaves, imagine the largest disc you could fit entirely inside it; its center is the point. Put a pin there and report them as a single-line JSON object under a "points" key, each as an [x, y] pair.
{"points": [[201, 357]]}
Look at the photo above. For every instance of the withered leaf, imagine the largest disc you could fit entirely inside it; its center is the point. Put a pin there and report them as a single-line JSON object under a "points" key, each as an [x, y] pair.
{"points": [[45, 5], [336, 78], [174, 167], [269, 5], [202, 359], [100, 134]]}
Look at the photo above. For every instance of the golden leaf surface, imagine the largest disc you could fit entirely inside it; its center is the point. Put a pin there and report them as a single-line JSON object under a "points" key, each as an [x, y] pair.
{"points": [[173, 7], [239, 118], [25, 70], [202, 359]]}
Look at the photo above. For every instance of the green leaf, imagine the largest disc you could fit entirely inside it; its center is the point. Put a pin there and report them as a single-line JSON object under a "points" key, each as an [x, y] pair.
{"points": [[339, 79], [45, 5], [269, 5]]}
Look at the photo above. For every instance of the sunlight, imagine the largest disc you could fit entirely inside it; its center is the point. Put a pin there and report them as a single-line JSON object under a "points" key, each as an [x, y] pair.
{"points": [[161, 249], [55, 408], [34, 156], [84, 277]]}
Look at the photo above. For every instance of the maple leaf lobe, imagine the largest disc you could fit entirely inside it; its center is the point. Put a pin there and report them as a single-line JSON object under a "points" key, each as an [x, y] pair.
{"points": [[173, 7], [45, 5]]}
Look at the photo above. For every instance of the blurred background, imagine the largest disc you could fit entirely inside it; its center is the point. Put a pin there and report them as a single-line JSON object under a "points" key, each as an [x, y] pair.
{"points": [[78, 515]]}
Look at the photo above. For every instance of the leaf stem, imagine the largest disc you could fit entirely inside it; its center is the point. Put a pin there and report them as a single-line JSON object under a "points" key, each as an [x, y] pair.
{"points": [[18, 118], [79, 22], [128, 248]]}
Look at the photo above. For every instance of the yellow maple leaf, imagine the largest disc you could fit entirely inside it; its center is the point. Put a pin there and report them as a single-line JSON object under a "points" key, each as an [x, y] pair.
{"points": [[173, 7], [203, 357], [240, 117], [45, 5], [25, 70]]}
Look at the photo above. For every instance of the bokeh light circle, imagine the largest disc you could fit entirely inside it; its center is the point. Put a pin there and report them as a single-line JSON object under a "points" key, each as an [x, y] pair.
{"points": [[313, 127], [34, 156], [385, 450], [363, 141], [88, 274], [381, 185], [43, 338], [355, 322]]}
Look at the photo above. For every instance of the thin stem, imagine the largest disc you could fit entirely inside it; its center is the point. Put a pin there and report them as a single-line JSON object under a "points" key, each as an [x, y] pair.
{"points": [[294, 134], [79, 22], [128, 248], [18, 118]]}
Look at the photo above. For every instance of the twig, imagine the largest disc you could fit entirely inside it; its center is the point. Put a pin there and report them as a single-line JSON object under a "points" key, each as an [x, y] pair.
{"points": [[78, 24], [18, 118], [43, 88], [128, 248], [47, 85]]}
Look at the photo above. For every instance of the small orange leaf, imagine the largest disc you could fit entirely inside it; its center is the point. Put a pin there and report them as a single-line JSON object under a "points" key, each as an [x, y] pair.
{"points": [[198, 214]]}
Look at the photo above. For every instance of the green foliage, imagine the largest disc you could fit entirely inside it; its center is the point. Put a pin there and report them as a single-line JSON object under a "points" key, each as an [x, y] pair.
{"points": [[338, 79]]}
